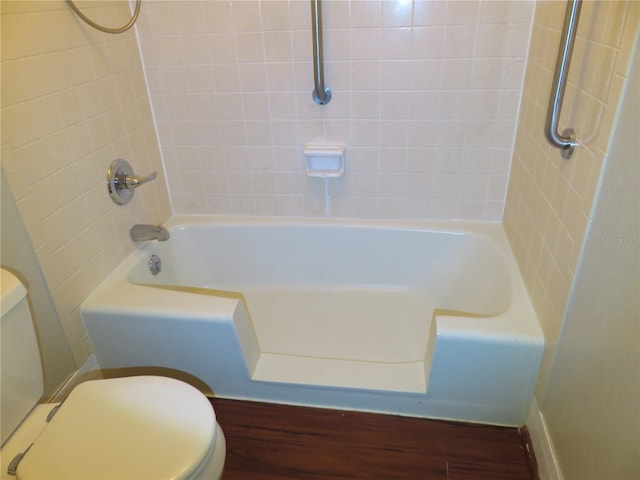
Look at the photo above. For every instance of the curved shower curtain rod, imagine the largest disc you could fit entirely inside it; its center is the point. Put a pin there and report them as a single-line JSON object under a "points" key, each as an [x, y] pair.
{"points": [[97, 26]]}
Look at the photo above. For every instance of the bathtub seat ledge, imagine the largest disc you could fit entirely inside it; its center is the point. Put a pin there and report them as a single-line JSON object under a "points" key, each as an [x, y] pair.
{"points": [[331, 372]]}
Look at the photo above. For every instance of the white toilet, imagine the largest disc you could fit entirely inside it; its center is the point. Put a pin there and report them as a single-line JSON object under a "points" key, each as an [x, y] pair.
{"points": [[135, 428]]}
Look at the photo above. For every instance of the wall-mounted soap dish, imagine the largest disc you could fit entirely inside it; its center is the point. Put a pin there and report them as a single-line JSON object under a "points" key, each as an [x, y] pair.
{"points": [[324, 161]]}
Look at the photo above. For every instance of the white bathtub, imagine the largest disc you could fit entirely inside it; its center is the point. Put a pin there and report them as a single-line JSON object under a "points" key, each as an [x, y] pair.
{"points": [[419, 319]]}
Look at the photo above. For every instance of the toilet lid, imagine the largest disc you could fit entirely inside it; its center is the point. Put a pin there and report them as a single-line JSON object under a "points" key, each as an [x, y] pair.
{"points": [[126, 428]]}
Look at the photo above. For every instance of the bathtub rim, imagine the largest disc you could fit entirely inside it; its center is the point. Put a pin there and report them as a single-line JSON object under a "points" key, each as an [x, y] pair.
{"points": [[454, 324], [500, 327]]}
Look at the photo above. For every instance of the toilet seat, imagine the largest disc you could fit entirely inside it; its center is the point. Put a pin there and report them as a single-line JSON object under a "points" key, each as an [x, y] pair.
{"points": [[132, 428]]}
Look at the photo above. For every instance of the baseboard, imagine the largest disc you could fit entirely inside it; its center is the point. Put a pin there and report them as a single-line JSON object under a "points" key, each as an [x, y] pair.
{"points": [[545, 454], [90, 365]]}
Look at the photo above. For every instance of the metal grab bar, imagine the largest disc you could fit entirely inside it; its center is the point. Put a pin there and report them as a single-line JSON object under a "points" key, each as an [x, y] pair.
{"points": [[321, 94], [567, 141]]}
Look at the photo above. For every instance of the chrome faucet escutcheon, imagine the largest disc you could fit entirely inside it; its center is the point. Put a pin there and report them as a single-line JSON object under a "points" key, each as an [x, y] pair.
{"points": [[122, 182]]}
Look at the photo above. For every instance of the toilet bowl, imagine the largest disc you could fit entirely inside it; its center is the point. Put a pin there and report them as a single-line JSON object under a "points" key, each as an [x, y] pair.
{"points": [[132, 428], [125, 428]]}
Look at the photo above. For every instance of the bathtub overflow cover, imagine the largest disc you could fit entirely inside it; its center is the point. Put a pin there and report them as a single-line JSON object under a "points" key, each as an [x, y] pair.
{"points": [[155, 264]]}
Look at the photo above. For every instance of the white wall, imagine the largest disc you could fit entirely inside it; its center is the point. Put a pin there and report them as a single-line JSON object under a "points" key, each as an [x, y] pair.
{"points": [[73, 100], [425, 98], [17, 256], [592, 404], [549, 200], [588, 385]]}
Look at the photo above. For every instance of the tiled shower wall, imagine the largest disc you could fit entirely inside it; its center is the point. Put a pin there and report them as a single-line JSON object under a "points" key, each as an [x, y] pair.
{"points": [[74, 99], [425, 98], [550, 200]]}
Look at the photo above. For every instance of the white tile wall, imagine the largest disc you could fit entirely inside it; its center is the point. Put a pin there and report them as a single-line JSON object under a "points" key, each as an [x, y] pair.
{"points": [[549, 200], [425, 98], [74, 99]]}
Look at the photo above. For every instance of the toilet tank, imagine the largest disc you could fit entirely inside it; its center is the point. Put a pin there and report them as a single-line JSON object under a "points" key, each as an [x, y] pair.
{"points": [[21, 379]]}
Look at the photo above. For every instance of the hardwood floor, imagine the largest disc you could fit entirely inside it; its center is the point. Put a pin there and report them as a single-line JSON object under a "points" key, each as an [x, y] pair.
{"points": [[269, 441]]}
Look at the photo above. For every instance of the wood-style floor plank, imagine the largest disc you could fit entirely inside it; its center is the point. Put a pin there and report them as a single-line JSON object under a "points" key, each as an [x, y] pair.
{"points": [[270, 441]]}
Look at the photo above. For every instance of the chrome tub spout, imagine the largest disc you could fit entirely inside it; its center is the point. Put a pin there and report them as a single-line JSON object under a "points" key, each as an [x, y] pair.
{"points": [[140, 232]]}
